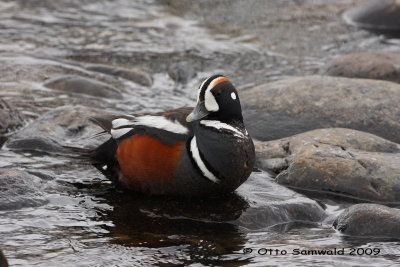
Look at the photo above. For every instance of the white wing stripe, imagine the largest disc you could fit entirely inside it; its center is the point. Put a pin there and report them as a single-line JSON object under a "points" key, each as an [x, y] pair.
{"points": [[161, 123], [120, 123], [122, 126], [119, 132]]}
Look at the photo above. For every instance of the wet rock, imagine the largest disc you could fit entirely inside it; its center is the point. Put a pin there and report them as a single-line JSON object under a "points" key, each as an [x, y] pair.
{"points": [[81, 85], [337, 161], [19, 189], [369, 220], [10, 118], [67, 125], [35, 143], [287, 107], [3, 260], [368, 65], [272, 204], [377, 15], [136, 75], [181, 72]]}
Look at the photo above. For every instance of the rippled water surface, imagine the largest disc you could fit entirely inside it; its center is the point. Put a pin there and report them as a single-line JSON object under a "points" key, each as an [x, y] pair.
{"points": [[81, 219]]}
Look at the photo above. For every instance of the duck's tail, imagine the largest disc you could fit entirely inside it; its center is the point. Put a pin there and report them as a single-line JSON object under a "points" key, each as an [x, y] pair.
{"points": [[101, 157]]}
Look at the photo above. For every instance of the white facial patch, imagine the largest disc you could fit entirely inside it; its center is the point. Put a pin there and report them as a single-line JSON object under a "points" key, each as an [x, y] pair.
{"points": [[209, 99], [199, 162], [224, 126], [210, 102], [233, 95], [122, 126]]}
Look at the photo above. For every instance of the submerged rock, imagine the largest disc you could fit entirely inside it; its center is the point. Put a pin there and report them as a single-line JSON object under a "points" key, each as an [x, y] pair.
{"points": [[136, 75], [337, 161], [10, 118], [272, 204], [369, 220], [67, 125], [368, 65], [19, 189], [376, 15], [287, 107], [181, 72], [81, 85]]}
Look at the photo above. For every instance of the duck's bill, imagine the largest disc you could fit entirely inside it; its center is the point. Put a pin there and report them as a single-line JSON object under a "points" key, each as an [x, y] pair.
{"points": [[198, 113]]}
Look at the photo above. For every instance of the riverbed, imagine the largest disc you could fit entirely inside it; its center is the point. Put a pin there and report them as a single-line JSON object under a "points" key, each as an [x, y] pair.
{"points": [[76, 217]]}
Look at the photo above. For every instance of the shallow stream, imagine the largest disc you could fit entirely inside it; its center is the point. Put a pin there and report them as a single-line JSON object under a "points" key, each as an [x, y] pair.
{"points": [[80, 219]]}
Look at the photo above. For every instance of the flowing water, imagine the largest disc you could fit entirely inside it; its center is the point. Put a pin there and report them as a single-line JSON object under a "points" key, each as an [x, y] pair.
{"points": [[80, 219]]}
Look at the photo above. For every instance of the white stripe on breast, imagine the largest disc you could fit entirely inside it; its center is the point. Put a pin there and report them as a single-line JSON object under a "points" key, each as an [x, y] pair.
{"points": [[224, 126], [122, 126], [196, 156]]}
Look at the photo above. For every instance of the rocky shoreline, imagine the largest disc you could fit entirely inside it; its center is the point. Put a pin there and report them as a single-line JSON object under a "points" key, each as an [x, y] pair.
{"points": [[326, 130], [333, 161]]}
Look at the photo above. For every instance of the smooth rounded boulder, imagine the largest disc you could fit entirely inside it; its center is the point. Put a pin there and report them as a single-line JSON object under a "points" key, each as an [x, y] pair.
{"points": [[136, 75], [81, 85], [10, 118], [20, 189], [296, 105], [371, 220], [64, 126], [376, 15], [271, 204], [367, 65], [336, 161]]}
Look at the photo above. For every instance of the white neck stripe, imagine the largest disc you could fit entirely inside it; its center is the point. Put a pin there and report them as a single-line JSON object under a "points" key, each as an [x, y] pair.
{"points": [[197, 159], [224, 126]]}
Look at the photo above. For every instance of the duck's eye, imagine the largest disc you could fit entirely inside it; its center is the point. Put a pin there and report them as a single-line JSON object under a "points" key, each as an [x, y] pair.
{"points": [[233, 95]]}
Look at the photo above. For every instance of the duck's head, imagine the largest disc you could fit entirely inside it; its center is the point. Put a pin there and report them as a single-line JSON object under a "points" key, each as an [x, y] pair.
{"points": [[217, 99]]}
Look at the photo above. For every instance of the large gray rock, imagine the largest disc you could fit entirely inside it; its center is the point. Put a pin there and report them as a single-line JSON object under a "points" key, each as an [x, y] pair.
{"points": [[367, 65], [19, 189], [369, 220], [336, 161], [81, 85], [376, 15], [63, 126], [287, 107]]}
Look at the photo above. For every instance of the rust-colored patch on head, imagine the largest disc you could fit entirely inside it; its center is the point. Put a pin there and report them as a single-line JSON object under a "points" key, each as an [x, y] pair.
{"points": [[147, 162], [217, 81]]}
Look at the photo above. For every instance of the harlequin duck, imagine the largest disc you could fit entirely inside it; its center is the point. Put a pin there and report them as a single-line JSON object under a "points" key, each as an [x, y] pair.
{"points": [[185, 151]]}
